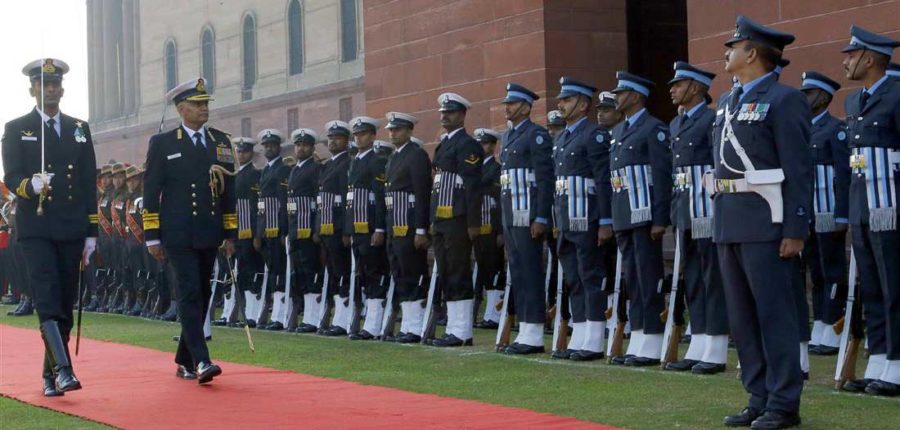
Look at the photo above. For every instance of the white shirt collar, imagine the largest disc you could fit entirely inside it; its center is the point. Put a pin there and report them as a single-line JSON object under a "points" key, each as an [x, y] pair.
{"points": [[45, 118], [338, 154], [301, 162], [192, 132], [273, 161], [487, 158], [362, 155], [400, 149], [450, 134], [249, 163], [819, 116]]}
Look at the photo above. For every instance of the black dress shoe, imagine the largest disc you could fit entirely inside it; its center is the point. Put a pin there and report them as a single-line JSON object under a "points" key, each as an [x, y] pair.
{"points": [[522, 349], [620, 360], [743, 419], [408, 338], [583, 355], [274, 326], [703, 368], [824, 350], [450, 340], [220, 322], [362, 335], [251, 323], [641, 362], [681, 365], [26, 309], [806, 376], [562, 354], [487, 324], [776, 420], [185, 373], [207, 371], [883, 388], [50, 387], [334, 331], [306, 328], [857, 385]]}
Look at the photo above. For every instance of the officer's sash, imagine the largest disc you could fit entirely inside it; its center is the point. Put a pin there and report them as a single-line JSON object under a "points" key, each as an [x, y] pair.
{"points": [[636, 181], [269, 207], [301, 209], [517, 183], [358, 201], [578, 191], [114, 214], [101, 218], [823, 198], [878, 166], [245, 229], [399, 203], [445, 187], [136, 228], [690, 179], [326, 203]]}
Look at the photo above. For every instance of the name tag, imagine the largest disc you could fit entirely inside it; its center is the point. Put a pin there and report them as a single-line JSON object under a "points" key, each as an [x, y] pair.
{"points": [[174, 156], [30, 138]]}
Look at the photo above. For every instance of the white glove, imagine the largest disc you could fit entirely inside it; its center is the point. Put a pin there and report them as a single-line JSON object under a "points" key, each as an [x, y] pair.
{"points": [[90, 245], [39, 181]]}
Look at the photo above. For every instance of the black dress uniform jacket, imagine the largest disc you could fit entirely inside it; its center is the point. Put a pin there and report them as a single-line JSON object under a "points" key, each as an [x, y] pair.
{"points": [[367, 176], [408, 174], [303, 187], [459, 157], [333, 181], [179, 207], [691, 146], [489, 186], [247, 195], [70, 209], [273, 185]]}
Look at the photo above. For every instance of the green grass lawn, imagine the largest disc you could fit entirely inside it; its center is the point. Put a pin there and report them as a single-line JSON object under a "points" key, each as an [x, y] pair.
{"points": [[633, 398]]}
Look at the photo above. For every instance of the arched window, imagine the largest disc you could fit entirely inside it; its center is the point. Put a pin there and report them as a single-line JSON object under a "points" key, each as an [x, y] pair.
{"points": [[348, 30], [295, 38], [249, 51], [171, 64], [208, 58]]}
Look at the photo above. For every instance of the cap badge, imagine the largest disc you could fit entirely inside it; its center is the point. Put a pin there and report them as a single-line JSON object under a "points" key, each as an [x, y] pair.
{"points": [[48, 66], [201, 86]]}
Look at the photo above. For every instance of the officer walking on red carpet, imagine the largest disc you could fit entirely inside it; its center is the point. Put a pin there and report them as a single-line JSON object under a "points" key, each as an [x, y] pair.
{"points": [[190, 216], [48, 159]]}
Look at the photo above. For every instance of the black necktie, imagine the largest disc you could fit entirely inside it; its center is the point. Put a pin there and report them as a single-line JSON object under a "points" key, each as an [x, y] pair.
{"points": [[52, 124], [863, 98], [734, 98], [198, 140]]}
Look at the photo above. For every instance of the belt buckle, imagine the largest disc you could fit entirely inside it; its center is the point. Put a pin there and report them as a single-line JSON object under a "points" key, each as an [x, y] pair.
{"points": [[504, 179], [389, 202], [561, 185], [292, 207], [858, 161]]}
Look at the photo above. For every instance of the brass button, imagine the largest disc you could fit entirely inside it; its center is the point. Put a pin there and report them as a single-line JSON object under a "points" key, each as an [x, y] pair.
{"points": [[69, 176], [194, 203], [71, 167], [49, 166], [193, 185], [195, 213], [212, 212], [49, 198], [193, 194], [70, 197]]}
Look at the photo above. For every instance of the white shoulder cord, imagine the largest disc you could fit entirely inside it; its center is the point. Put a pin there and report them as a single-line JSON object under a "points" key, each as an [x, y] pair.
{"points": [[728, 134]]}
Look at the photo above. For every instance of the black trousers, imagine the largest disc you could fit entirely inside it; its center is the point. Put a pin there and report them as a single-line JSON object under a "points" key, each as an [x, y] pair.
{"points": [[453, 255], [832, 298], [53, 278], [704, 292], [337, 261], [307, 263], [489, 257], [409, 267], [193, 268], [526, 270], [250, 263], [877, 257], [642, 264], [371, 266], [763, 317], [276, 260]]}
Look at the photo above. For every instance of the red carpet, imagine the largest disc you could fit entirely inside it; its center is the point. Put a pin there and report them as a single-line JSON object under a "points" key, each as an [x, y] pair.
{"points": [[147, 395]]}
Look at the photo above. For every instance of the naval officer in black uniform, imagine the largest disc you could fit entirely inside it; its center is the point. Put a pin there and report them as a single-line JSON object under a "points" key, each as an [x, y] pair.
{"points": [[456, 217], [873, 130], [527, 199], [303, 187], [640, 164], [831, 159], [692, 218], [190, 218], [490, 273], [763, 186], [247, 260], [56, 217], [407, 202]]}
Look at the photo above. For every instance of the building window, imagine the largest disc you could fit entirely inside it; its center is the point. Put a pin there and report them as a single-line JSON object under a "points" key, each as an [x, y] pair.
{"points": [[208, 58], [171, 65], [295, 38], [293, 119], [345, 108], [249, 55], [348, 30], [246, 130]]}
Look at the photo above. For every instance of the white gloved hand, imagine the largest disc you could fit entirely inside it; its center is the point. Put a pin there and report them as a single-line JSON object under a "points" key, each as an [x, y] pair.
{"points": [[39, 181], [90, 245]]}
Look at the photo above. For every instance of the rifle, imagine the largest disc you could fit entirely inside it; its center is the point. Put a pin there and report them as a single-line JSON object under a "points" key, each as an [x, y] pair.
{"points": [[259, 303], [560, 325], [353, 311], [430, 320], [505, 326], [617, 336], [324, 304], [477, 292], [390, 314], [80, 306], [672, 332], [241, 308], [281, 302], [849, 346], [551, 312], [210, 310]]}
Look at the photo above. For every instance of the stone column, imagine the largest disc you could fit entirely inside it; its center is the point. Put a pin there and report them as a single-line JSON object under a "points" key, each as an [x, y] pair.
{"points": [[95, 58], [111, 27], [128, 56]]}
